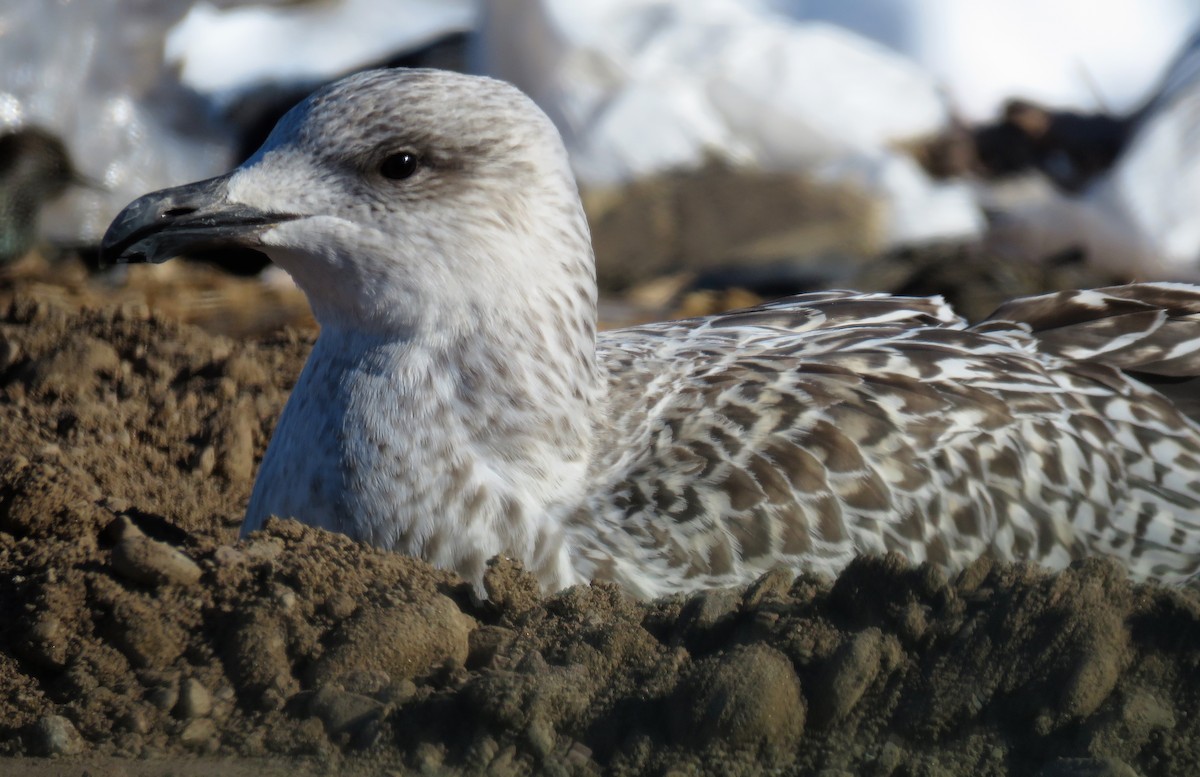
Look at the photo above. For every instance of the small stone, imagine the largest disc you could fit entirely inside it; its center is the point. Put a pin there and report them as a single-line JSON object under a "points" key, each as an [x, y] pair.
{"points": [[540, 736], [367, 682], [132, 311], [55, 735], [47, 628], [135, 721], [138, 558], [339, 606], [257, 659], [771, 585], [397, 693], [235, 442], [429, 758], [194, 700], [342, 711], [165, 697], [533, 663], [205, 461], [228, 556], [10, 354], [284, 597], [200, 734], [852, 670], [704, 610]]}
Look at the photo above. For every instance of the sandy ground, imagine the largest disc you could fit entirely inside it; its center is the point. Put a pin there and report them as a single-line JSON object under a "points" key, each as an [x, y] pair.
{"points": [[136, 627], [141, 638]]}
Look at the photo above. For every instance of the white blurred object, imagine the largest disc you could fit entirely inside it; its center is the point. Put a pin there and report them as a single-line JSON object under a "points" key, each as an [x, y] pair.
{"points": [[641, 86], [1142, 218], [222, 51], [93, 73], [89, 71], [1069, 54]]}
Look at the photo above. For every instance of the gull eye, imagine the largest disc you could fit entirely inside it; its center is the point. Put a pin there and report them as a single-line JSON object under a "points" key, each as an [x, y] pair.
{"points": [[399, 166]]}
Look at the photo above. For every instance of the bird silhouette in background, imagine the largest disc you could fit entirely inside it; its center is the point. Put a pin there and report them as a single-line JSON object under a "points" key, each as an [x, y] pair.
{"points": [[35, 169]]}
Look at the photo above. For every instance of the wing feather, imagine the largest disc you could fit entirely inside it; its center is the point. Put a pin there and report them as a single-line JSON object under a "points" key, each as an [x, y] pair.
{"points": [[811, 429]]}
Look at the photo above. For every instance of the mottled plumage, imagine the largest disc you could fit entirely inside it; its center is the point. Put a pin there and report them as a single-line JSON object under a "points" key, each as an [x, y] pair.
{"points": [[459, 403]]}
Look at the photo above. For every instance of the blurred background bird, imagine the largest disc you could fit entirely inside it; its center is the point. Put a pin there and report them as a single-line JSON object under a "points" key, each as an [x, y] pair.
{"points": [[35, 169]]}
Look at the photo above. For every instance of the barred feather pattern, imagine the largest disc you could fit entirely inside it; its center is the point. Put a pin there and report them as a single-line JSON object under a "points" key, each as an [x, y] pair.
{"points": [[806, 431]]}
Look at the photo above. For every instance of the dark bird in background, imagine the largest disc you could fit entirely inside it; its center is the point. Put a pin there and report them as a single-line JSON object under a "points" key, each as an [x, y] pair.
{"points": [[35, 169]]}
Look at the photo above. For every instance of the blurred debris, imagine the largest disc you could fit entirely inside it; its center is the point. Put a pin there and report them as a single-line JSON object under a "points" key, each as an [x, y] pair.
{"points": [[721, 219], [1071, 149], [1138, 218]]}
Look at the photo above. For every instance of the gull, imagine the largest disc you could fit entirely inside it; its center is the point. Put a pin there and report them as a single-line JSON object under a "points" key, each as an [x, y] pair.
{"points": [[459, 403], [35, 170]]}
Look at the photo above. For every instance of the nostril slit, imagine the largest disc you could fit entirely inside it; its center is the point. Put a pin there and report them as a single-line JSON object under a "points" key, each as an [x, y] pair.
{"points": [[177, 212]]}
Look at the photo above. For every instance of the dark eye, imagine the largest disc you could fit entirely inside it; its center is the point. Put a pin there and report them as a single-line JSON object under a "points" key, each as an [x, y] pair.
{"points": [[399, 166]]}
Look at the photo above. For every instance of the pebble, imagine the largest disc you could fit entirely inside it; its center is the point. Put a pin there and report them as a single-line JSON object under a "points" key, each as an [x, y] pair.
{"points": [[257, 658], [138, 558], [228, 556], [10, 353], [235, 443], [48, 640], [770, 586], [340, 606], [194, 700], [705, 609], [165, 697], [852, 670], [284, 597], [343, 712], [205, 461], [367, 682], [55, 735], [135, 722], [200, 734]]}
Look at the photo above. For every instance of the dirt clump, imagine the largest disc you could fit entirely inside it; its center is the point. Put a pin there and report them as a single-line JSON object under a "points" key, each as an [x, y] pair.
{"points": [[138, 628]]}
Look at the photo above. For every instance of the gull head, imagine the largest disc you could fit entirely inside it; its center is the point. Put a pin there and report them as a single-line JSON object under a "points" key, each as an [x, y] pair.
{"points": [[401, 201]]}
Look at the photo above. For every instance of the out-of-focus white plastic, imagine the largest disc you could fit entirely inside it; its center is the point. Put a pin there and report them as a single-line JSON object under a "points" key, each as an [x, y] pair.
{"points": [[640, 86], [90, 71], [222, 51], [1068, 54]]}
